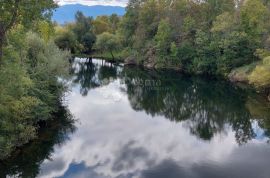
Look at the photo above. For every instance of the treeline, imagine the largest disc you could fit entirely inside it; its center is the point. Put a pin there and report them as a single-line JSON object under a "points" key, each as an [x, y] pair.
{"points": [[207, 37], [30, 67], [213, 37], [87, 35]]}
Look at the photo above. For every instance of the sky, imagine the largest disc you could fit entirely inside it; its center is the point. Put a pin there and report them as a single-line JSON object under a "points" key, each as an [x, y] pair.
{"points": [[94, 2]]}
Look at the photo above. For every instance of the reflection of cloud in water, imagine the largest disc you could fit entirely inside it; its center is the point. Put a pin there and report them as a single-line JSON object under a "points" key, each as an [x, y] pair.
{"points": [[113, 143], [111, 92], [241, 163]]}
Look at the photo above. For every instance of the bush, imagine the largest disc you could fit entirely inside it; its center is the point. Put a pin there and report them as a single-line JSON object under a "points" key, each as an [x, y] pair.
{"points": [[66, 40], [107, 42], [260, 77], [30, 90]]}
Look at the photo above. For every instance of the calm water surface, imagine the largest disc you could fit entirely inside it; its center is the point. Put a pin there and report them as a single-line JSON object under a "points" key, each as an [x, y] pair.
{"points": [[134, 123]]}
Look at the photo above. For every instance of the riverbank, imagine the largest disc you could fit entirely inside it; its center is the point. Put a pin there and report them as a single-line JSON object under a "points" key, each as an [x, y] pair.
{"points": [[118, 56], [238, 76], [53, 132], [30, 88]]}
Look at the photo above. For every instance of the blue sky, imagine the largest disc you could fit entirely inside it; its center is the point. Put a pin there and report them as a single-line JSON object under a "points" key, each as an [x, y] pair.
{"points": [[94, 2]]}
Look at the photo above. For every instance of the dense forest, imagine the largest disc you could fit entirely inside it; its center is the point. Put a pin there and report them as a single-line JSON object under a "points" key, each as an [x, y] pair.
{"points": [[30, 64], [213, 37]]}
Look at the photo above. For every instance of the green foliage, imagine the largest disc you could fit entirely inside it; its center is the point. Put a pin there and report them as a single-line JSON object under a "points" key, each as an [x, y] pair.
{"points": [[241, 74], [83, 29], [114, 21], [206, 37], [29, 70], [260, 77], [107, 42], [206, 49], [66, 40], [212, 36], [88, 41], [106, 24], [173, 51], [45, 29], [30, 91], [77, 37], [163, 40], [24, 12], [237, 50], [100, 26], [224, 23], [17, 108], [254, 15], [186, 54]]}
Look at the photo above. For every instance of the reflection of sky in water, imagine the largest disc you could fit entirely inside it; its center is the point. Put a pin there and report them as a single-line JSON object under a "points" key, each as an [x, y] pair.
{"points": [[113, 140], [260, 135]]}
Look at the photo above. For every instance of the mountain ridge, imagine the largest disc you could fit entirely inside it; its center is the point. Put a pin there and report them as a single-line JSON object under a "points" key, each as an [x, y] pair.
{"points": [[66, 13]]}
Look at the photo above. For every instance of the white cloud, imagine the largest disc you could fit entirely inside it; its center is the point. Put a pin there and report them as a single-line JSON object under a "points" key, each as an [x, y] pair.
{"points": [[122, 3]]}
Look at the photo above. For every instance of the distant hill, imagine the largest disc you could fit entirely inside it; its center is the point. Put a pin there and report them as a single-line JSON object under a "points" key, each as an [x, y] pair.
{"points": [[66, 13]]}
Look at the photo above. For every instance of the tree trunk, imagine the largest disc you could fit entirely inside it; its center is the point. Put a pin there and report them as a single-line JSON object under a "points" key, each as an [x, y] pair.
{"points": [[112, 55], [1, 48], [2, 40]]}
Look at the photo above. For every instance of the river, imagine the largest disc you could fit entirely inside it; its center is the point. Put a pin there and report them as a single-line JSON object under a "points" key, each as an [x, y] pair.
{"points": [[138, 123]]}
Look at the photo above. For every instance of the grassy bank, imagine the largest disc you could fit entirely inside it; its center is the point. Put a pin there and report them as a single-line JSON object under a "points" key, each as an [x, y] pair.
{"points": [[242, 74]]}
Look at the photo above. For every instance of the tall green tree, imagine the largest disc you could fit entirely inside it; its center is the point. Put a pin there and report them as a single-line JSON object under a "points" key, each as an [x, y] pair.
{"points": [[21, 12], [254, 19], [83, 29], [107, 42], [163, 39]]}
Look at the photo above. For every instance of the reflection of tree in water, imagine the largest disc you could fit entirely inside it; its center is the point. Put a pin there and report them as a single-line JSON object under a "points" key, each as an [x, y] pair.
{"points": [[259, 108], [26, 161], [206, 106], [85, 75], [91, 75], [108, 71]]}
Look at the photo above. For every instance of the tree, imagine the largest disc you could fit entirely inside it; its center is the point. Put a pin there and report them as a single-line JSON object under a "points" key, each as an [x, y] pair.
{"points": [[82, 25], [21, 11], [30, 89], [65, 39], [223, 24], [163, 39], [100, 26], [83, 30], [114, 20], [107, 42], [45, 29], [213, 8], [129, 22], [254, 18], [88, 42], [260, 77]]}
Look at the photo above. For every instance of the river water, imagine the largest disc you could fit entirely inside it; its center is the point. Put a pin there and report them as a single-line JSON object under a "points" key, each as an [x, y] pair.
{"points": [[137, 123]]}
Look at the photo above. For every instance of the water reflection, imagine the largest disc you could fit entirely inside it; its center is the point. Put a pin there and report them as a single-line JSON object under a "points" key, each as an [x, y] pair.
{"points": [[207, 106], [26, 161], [135, 123], [91, 75], [85, 75]]}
